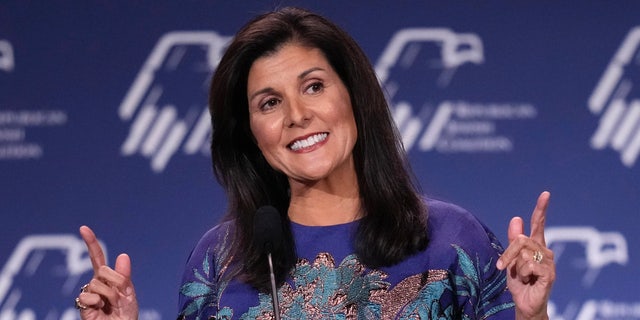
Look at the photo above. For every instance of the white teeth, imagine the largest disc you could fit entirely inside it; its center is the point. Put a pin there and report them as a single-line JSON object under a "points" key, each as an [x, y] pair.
{"points": [[308, 142]]}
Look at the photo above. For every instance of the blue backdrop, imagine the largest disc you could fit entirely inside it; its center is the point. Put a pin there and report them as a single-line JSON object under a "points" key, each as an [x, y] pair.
{"points": [[103, 122]]}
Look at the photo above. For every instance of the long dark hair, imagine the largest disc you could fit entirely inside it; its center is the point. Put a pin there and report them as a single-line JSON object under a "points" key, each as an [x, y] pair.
{"points": [[394, 222]]}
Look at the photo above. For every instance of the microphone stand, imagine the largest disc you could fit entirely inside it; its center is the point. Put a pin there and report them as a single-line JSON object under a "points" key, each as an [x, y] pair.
{"points": [[274, 291]]}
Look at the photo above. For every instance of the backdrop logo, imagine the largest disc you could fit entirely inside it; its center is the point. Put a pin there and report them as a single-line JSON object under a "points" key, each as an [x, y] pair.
{"points": [[595, 251], [42, 274], [615, 100], [165, 112], [7, 62], [417, 68], [600, 248]]}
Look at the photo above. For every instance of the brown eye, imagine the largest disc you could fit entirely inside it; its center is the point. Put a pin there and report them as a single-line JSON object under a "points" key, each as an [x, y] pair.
{"points": [[315, 88], [269, 104]]}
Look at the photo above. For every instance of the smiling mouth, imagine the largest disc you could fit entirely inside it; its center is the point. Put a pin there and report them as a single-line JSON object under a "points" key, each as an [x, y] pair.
{"points": [[308, 142]]}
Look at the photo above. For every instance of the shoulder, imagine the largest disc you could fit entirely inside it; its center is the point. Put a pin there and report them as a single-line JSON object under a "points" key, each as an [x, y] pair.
{"points": [[217, 233], [454, 231], [447, 221], [216, 240], [441, 212]]}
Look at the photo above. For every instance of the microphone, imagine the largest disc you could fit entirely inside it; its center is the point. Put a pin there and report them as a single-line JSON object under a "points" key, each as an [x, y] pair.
{"points": [[268, 237]]}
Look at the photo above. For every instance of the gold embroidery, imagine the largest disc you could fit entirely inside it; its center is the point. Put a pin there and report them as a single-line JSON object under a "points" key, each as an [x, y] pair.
{"points": [[406, 291]]}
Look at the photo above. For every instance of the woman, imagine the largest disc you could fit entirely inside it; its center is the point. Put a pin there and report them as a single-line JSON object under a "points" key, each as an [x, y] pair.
{"points": [[300, 123]]}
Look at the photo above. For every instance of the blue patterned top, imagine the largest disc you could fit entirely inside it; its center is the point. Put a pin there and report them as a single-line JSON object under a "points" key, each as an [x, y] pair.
{"points": [[454, 278]]}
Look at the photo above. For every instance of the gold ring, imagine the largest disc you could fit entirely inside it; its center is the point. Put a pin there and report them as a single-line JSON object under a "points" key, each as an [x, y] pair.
{"points": [[537, 256], [84, 288], [79, 305]]}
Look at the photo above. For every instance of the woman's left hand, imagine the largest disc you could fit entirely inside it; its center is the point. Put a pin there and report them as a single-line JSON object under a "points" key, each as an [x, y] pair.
{"points": [[531, 270]]}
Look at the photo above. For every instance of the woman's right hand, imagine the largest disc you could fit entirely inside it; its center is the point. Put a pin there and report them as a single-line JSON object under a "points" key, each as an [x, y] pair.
{"points": [[110, 293]]}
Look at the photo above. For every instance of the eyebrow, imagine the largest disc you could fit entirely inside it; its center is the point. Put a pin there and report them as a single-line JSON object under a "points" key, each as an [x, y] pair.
{"points": [[306, 72], [259, 92], [300, 76]]}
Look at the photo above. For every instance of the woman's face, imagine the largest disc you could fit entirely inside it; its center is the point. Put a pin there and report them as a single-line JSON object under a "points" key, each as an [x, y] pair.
{"points": [[300, 114]]}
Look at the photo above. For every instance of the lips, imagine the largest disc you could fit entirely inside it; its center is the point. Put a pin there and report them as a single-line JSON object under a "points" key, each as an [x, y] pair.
{"points": [[308, 142]]}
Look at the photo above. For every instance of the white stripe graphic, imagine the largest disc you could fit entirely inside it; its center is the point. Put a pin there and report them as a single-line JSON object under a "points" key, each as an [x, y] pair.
{"points": [[171, 144], [159, 130], [200, 133], [629, 122], [130, 102], [138, 130], [630, 153], [605, 87], [439, 121], [142, 122], [608, 123], [409, 127]]}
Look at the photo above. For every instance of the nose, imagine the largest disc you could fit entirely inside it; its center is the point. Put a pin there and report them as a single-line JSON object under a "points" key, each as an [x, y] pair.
{"points": [[297, 114]]}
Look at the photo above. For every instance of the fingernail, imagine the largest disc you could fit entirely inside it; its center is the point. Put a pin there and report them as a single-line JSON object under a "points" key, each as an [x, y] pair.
{"points": [[499, 264], [128, 291]]}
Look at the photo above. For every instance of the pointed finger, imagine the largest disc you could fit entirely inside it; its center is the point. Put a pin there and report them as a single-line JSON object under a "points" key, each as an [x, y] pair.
{"points": [[538, 218], [95, 250]]}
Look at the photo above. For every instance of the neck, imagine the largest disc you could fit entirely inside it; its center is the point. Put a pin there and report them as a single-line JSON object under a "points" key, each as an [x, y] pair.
{"points": [[324, 203]]}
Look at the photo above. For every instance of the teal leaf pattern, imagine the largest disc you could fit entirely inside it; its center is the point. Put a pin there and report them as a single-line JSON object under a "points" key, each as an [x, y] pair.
{"points": [[205, 290]]}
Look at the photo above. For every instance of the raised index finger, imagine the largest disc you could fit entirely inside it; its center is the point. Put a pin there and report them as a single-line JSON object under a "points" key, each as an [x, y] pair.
{"points": [[95, 250], [538, 218]]}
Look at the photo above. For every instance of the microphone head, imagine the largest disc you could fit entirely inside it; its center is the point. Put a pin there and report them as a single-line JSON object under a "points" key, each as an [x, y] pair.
{"points": [[267, 229]]}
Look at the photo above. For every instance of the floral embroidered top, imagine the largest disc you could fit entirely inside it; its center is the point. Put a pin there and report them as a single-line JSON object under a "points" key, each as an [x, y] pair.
{"points": [[454, 278]]}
